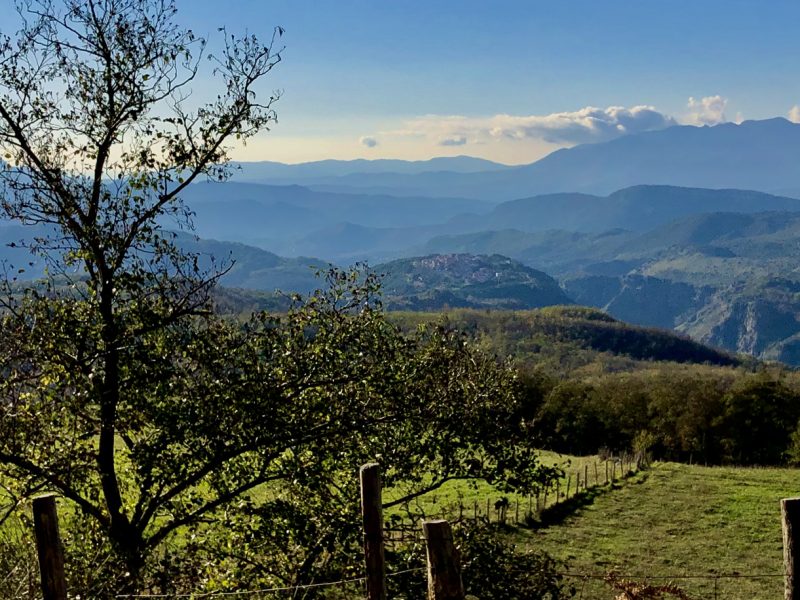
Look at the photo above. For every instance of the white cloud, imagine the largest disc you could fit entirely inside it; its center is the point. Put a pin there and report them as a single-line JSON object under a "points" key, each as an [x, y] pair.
{"points": [[458, 140], [794, 114], [588, 124], [368, 141], [707, 111]]}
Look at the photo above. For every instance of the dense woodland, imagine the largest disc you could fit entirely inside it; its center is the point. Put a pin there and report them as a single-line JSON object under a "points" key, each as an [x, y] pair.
{"points": [[591, 382]]}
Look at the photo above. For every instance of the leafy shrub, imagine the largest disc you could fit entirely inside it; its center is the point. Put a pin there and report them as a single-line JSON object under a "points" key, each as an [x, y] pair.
{"points": [[492, 568]]}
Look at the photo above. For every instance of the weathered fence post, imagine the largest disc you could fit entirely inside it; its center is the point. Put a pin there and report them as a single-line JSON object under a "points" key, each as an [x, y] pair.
{"points": [[372, 515], [569, 483], [596, 478], [606, 463], [49, 548], [586, 476], [790, 519], [444, 563]]}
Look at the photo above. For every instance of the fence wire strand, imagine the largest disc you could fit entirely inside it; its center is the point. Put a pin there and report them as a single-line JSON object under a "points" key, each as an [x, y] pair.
{"points": [[290, 588]]}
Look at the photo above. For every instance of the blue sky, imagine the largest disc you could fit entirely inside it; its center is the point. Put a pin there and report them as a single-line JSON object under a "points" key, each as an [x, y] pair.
{"points": [[508, 80]]}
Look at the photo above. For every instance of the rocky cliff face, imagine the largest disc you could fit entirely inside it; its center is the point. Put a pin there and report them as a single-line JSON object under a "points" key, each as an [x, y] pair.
{"points": [[639, 299], [761, 319], [761, 326]]}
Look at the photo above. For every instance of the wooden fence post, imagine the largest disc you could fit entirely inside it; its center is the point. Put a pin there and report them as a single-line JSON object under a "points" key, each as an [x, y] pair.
{"points": [[444, 563], [372, 515], [596, 477], [586, 476], [49, 548], [790, 520], [569, 482], [558, 491]]}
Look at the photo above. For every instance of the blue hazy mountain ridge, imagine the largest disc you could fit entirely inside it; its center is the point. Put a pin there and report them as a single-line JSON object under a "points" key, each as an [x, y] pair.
{"points": [[635, 209], [276, 172], [754, 155], [766, 239], [252, 268], [263, 214], [246, 266]]}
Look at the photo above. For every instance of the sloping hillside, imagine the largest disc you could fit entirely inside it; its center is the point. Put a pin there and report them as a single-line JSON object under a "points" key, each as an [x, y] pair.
{"points": [[571, 336]]}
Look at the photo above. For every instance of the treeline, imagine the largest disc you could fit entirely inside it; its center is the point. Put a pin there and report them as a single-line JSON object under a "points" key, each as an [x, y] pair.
{"points": [[591, 382], [687, 413], [563, 338]]}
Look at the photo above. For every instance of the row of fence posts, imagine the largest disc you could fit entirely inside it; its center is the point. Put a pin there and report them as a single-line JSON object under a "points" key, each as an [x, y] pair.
{"points": [[552, 494], [444, 567], [443, 561]]}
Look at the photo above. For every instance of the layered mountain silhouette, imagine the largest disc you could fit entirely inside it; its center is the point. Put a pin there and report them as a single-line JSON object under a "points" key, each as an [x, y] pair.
{"points": [[635, 209], [715, 257], [755, 155]]}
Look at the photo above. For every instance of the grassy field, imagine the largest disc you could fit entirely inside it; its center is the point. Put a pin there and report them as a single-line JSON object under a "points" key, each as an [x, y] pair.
{"points": [[713, 531], [473, 496], [682, 522]]}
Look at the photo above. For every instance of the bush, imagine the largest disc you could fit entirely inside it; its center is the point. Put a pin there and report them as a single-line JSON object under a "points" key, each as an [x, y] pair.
{"points": [[492, 568]]}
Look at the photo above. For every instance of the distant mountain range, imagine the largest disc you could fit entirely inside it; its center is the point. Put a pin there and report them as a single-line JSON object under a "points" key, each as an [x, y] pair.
{"points": [[635, 209], [720, 265], [275, 217], [276, 172], [754, 155]]}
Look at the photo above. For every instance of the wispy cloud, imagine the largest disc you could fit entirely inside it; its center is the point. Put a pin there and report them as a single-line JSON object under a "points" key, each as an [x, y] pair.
{"points": [[794, 114], [368, 141], [458, 140], [707, 111]]}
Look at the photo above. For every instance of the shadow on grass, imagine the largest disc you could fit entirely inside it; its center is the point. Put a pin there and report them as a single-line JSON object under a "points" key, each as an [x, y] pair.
{"points": [[555, 515]]}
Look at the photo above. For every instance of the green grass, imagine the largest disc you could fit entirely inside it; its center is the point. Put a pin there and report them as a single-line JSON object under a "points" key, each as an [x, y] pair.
{"points": [[473, 496], [678, 520]]}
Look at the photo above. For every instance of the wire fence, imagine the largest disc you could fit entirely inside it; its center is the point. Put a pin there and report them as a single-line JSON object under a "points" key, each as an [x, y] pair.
{"points": [[601, 584], [355, 585], [577, 484], [586, 586]]}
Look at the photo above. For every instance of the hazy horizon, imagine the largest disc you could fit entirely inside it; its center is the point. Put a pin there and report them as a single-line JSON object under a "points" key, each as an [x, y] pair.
{"points": [[511, 81]]}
